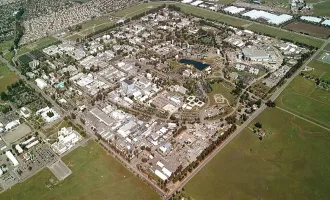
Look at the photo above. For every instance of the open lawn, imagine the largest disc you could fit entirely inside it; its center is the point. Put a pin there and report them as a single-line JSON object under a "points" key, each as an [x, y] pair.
{"points": [[301, 98], [224, 89], [281, 33], [95, 176], [291, 162], [42, 43], [7, 77], [309, 29], [327, 48], [6, 45]]}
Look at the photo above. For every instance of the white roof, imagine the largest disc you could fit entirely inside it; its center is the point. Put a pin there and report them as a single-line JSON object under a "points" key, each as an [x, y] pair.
{"points": [[311, 19], [12, 158], [41, 83], [326, 22], [160, 175], [32, 144], [234, 9], [196, 3], [18, 148], [28, 141], [160, 164], [167, 172], [271, 18], [186, 1]]}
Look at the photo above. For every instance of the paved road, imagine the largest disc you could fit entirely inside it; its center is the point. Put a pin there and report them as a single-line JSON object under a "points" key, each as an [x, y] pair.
{"points": [[246, 123]]}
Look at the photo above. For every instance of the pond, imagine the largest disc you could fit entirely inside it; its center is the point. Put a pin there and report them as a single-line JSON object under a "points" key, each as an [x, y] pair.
{"points": [[198, 65]]}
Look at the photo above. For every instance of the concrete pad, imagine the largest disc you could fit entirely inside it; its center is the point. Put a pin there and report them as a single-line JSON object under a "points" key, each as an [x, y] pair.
{"points": [[17, 133], [60, 170]]}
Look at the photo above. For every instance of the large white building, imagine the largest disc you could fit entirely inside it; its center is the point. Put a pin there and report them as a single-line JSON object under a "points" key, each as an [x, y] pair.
{"points": [[46, 114], [12, 158], [255, 54], [269, 17], [67, 138]]}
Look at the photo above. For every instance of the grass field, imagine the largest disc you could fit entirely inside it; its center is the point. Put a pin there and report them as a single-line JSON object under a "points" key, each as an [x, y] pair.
{"points": [[7, 77], [321, 69], [136, 9], [212, 15], [327, 48], [322, 8], [43, 42], [95, 176], [6, 45], [310, 29], [225, 2], [224, 89], [280, 33], [304, 99], [291, 162]]}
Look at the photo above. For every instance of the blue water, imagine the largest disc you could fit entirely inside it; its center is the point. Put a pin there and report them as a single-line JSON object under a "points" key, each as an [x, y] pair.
{"points": [[198, 65], [61, 84]]}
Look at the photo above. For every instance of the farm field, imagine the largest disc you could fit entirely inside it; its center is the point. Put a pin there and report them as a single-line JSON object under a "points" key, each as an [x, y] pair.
{"points": [[310, 29], [7, 77], [95, 176], [42, 43], [302, 98], [280, 33], [291, 162]]}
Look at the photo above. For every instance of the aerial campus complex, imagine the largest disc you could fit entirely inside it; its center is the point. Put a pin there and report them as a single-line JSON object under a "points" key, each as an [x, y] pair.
{"points": [[166, 100]]}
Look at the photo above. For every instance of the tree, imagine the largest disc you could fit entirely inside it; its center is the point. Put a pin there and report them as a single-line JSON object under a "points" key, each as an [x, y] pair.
{"points": [[4, 96], [258, 125], [270, 103]]}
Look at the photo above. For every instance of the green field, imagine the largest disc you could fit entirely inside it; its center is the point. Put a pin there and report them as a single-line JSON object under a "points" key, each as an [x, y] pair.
{"points": [[137, 9], [224, 89], [95, 176], [321, 70], [280, 33], [327, 48], [7, 77], [322, 8], [6, 45], [304, 99], [212, 15], [43, 42], [226, 1], [291, 162]]}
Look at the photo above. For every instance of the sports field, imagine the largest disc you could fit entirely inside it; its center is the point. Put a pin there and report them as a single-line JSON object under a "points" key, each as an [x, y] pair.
{"points": [[291, 162], [310, 29], [303, 98], [7, 77], [95, 176]]}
